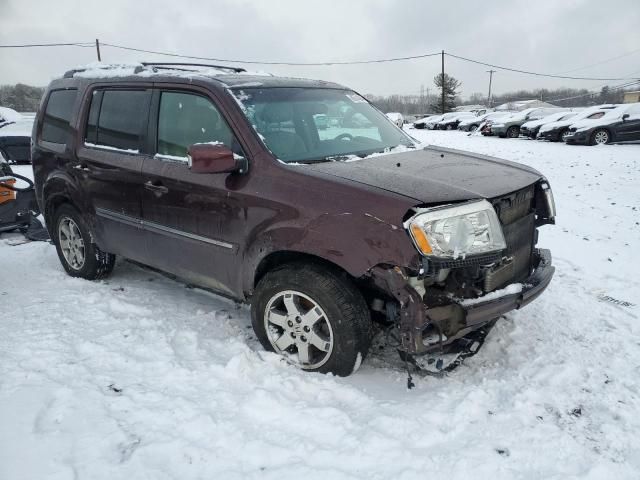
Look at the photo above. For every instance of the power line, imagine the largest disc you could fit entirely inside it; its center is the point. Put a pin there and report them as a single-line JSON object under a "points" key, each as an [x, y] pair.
{"points": [[354, 62], [602, 61], [533, 73], [73, 44]]}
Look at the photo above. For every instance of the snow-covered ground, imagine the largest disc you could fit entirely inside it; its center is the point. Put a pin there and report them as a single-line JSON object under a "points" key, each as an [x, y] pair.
{"points": [[140, 377]]}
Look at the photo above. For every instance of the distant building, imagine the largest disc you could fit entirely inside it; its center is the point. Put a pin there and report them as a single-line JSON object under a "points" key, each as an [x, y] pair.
{"points": [[523, 105], [631, 97]]}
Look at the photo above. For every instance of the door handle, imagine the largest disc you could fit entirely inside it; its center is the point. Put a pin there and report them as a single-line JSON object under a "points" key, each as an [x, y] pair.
{"points": [[156, 188]]}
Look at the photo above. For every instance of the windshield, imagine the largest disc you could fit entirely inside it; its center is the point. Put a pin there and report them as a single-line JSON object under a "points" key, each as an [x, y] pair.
{"points": [[316, 124]]}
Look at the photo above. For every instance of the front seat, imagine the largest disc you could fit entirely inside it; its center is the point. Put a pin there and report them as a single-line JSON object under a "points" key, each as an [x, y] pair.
{"points": [[284, 144]]}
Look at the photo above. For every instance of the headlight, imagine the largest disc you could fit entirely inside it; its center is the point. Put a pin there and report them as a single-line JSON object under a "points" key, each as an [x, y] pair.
{"points": [[456, 231]]}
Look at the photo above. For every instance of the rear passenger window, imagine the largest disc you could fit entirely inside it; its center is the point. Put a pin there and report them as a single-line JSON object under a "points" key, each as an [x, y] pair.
{"points": [[57, 116], [186, 119], [118, 119]]}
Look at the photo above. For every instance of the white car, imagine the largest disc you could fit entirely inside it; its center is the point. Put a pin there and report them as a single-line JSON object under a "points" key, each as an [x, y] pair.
{"points": [[471, 124], [450, 122], [427, 122], [396, 118]]}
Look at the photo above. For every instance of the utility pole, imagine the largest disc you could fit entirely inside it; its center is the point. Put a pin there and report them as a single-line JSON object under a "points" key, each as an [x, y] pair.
{"points": [[490, 72], [98, 49], [443, 81]]}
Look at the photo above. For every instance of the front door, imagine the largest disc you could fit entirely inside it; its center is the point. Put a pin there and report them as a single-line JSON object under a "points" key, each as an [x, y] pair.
{"points": [[110, 163], [194, 222], [629, 130]]}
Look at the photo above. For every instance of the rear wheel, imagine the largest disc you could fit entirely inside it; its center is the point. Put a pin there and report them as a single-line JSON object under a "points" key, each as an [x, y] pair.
{"points": [[472, 128], [513, 132], [314, 317], [78, 253], [600, 137]]}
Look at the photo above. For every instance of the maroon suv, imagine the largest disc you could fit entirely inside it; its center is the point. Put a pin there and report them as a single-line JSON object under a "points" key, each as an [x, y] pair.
{"points": [[295, 195]]}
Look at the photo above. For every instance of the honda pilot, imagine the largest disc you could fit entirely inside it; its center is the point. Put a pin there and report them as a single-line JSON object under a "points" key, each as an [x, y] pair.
{"points": [[226, 180]]}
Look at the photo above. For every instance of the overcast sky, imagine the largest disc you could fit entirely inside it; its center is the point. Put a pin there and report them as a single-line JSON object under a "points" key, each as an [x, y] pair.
{"points": [[545, 36]]}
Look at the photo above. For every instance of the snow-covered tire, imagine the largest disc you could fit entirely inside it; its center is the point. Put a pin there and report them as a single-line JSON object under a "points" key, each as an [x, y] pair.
{"points": [[288, 298], [561, 134], [94, 263]]}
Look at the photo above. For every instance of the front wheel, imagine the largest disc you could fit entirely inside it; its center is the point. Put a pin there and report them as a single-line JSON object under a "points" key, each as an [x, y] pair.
{"points": [[314, 317], [600, 137], [78, 253], [513, 132]]}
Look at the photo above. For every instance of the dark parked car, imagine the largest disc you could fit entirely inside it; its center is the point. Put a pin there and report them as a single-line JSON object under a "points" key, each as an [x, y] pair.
{"points": [[621, 124], [223, 179]]}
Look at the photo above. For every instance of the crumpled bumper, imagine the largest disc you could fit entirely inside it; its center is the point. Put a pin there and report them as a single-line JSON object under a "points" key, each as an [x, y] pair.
{"points": [[481, 312], [424, 329]]}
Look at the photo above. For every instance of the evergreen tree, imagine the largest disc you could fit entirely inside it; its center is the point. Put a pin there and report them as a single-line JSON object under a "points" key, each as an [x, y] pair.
{"points": [[450, 86]]}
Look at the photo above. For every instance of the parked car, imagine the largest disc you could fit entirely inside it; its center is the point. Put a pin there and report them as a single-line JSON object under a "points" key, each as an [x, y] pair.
{"points": [[558, 130], [427, 122], [451, 122], [531, 128], [510, 126], [472, 123], [621, 124], [15, 136], [396, 118], [231, 187]]}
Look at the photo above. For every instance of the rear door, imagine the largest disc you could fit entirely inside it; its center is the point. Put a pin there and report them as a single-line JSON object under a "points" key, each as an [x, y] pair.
{"points": [[110, 160], [194, 222]]}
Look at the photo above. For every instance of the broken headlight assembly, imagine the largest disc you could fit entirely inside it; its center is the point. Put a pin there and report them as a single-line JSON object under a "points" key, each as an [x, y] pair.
{"points": [[456, 231]]}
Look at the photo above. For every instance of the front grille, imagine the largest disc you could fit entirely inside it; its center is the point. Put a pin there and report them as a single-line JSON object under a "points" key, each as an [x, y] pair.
{"points": [[517, 217]]}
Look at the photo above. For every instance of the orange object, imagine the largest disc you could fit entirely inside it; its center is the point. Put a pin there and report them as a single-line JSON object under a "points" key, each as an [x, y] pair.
{"points": [[7, 194], [421, 239]]}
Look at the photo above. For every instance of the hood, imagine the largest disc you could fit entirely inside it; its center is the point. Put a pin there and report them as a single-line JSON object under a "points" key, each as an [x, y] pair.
{"points": [[435, 174], [553, 125]]}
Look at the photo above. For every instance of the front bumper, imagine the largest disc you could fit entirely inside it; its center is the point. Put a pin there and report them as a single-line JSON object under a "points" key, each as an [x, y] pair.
{"points": [[578, 138], [549, 135], [418, 321]]}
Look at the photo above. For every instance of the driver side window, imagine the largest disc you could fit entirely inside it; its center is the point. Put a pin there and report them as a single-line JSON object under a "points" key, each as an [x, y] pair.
{"points": [[185, 119]]}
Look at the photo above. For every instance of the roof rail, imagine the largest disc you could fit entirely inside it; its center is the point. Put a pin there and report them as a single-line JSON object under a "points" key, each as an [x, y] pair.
{"points": [[168, 65]]}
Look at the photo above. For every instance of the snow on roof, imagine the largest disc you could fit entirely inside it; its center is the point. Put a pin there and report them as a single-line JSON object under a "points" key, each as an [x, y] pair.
{"points": [[524, 104], [110, 70]]}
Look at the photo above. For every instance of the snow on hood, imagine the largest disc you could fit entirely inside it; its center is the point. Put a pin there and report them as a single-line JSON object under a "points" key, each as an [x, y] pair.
{"points": [[9, 115], [582, 115], [21, 128]]}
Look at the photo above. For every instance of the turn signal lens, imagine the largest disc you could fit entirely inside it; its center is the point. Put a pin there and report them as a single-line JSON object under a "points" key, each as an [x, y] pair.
{"points": [[421, 239]]}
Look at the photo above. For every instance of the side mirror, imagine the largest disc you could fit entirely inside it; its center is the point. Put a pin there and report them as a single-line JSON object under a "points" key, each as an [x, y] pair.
{"points": [[214, 158], [624, 117]]}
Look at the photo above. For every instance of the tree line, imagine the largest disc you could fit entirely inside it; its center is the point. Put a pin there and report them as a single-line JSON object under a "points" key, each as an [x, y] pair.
{"points": [[20, 97]]}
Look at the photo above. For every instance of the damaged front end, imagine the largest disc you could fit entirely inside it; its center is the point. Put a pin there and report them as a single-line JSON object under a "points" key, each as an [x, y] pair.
{"points": [[479, 261]]}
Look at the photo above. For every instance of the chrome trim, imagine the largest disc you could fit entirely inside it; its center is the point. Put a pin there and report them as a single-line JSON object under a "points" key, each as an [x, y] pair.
{"points": [[158, 228], [170, 158]]}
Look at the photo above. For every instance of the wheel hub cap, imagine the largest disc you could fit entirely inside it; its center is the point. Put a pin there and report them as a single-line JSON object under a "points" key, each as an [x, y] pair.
{"points": [[298, 329], [71, 243]]}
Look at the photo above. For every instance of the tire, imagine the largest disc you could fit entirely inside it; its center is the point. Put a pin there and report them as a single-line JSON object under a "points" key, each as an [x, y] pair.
{"points": [[342, 319], [600, 137], [73, 239], [513, 132], [561, 134], [449, 126], [472, 128]]}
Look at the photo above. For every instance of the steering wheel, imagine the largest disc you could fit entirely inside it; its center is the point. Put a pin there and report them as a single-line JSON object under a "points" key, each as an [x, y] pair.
{"points": [[344, 136]]}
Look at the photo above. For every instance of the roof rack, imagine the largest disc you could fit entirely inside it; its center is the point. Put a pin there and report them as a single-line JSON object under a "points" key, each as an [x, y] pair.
{"points": [[169, 65]]}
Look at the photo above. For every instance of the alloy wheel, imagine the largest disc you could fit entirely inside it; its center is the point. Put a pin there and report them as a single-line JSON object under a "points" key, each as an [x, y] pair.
{"points": [[601, 137], [71, 243], [299, 329]]}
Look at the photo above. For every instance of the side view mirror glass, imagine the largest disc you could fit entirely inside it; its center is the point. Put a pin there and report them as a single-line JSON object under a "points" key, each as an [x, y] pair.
{"points": [[214, 158]]}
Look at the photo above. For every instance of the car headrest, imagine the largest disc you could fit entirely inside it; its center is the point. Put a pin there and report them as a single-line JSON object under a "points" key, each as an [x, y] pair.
{"points": [[277, 112]]}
